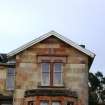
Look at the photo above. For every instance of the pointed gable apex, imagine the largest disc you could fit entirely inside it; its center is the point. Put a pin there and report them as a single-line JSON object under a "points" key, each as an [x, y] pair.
{"points": [[51, 33]]}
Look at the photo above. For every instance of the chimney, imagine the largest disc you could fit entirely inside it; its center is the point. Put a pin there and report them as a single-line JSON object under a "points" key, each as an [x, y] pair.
{"points": [[83, 46]]}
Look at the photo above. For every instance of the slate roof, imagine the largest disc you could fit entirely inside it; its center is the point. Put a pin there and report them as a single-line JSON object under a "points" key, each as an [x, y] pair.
{"points": [[3, 58]]}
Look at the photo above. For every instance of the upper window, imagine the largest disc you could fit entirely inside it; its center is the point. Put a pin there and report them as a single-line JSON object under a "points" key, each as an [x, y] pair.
{"points": [[10, 78], [52, 74], [51, 70], [57, 73], [45, 73]]}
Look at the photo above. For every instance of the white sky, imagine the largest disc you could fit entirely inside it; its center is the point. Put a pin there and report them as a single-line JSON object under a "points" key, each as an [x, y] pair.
{"points": [[82, 21]]}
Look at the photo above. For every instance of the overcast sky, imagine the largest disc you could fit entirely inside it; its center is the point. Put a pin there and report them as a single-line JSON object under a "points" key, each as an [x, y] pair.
{"points": [[82, 21]]}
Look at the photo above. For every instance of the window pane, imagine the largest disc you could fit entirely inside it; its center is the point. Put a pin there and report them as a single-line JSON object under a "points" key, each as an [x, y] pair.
{"points": [[45, 79], [44, 103], [45, 67], [10, 82], [45, 74], [56, 103], [11, 71], [57, 78], [57, 67], [10, 79]]}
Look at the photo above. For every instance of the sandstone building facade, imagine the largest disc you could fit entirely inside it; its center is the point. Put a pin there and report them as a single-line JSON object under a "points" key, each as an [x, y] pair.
{"points": [[50, 70]]}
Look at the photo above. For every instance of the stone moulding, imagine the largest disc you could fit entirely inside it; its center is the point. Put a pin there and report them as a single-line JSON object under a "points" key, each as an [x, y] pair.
{"points": [[51, 92]]}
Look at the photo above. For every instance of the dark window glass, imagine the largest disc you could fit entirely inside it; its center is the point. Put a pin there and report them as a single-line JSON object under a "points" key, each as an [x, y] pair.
{"points": [[30, 102], [70, 103]]}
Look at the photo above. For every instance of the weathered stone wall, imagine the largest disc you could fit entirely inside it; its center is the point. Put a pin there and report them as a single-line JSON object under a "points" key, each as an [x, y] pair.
{"points": [[76, 78], [3, 74], [2, 77], [28, 74]]}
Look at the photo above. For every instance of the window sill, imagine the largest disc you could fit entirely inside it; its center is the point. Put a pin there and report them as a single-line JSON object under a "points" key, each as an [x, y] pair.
{"points": [[40, 86]]}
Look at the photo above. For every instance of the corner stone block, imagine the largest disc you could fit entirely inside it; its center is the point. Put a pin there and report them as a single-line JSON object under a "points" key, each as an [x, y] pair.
{"points": [[19, 93]]}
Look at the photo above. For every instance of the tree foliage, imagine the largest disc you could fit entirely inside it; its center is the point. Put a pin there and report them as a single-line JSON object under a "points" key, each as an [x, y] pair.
{"points": [[96, 88]]}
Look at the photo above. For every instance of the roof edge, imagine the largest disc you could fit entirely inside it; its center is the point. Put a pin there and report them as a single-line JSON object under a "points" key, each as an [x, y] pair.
{"points": [[35, 41]]}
